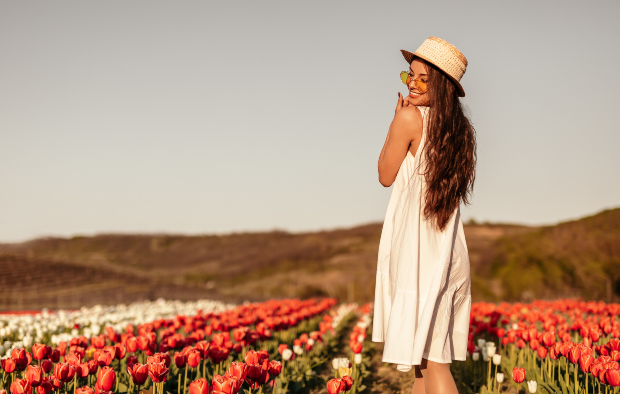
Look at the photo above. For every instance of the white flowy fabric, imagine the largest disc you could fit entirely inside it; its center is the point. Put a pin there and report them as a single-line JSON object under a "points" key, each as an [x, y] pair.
{"points": [[422, 293]]}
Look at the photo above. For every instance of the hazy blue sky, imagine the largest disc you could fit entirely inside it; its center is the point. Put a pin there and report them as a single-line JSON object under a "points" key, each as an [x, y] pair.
{"points": [[210, 117]]}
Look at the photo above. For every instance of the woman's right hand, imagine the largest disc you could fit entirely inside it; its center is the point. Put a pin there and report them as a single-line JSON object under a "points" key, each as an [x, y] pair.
{"points": [[401, 103]]}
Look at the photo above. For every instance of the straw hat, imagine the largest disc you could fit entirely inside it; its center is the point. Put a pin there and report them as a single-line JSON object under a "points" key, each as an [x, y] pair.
{"points": [[443, 55]]}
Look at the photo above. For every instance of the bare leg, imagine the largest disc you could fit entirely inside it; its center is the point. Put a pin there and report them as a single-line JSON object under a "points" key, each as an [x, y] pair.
{"points": [[438, 378], [418, 384]]}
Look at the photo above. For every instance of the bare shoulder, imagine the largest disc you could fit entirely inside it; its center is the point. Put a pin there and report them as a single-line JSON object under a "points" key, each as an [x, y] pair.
{"points": [[409, 118]]}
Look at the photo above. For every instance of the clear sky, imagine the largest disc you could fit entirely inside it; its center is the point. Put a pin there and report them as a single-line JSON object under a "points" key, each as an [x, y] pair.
{"points": [[210, 117]]}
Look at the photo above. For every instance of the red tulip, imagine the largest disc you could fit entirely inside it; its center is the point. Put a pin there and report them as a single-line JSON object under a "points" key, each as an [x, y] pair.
{"points": [[84, 390], [143, 343], [518, 374], [20, 386], [254, 372], [73, 359], [282, 347], [8, 365], [61, 371], [251, 357], [549, 338], [199, 386], [336, 386], [222, 384], [203, 347], [534, 344], [275, 368], [239, 370], [98, 342], [193, 357], [138, 372], [520, 343], [82, 370], [542, 352], [62, 348], [47, 365], [585, 361], [93, 366], [574, 354], [46, 387], [39, 351], [55, 356], [615, 355], [180, 359], [132, 344], [106, 377], [121, 351], [21, 358], [158, 372], [348, 382], [34, 375]]}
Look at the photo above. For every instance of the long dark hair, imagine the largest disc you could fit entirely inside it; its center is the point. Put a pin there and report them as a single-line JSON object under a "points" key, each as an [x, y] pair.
{"points": [[450, 150]]}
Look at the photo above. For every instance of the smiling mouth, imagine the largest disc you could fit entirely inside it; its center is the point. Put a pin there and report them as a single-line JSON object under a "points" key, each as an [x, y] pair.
{"points": [[412, 93]]}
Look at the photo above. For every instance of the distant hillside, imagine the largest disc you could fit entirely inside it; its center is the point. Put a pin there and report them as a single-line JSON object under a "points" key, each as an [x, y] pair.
{"points": [[508, 262], [576, 258]]}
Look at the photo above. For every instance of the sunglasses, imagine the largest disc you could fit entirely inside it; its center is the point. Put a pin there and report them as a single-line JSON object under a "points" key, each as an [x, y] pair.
{"points": [[418, 82]]}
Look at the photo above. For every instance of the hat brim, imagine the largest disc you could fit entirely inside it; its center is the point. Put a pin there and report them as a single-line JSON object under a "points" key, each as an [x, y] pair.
{"points": [[409, 58]]}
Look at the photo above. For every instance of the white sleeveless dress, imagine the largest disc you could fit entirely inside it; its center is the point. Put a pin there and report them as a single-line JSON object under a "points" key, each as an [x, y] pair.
{"points": [[422, 293]]}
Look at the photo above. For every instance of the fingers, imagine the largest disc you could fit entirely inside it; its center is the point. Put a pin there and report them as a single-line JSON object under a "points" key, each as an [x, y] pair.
{"points": [[399, 104]]}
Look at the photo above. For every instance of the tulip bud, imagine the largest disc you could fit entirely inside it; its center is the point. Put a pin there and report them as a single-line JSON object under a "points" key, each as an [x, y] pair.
{"points": [[532, 386], [481, 343], [358, 358], [475, 356], [298, 349], [491, 351], [497, 359], [518, 374], [286, 354], [499, 377], [485, 357]]}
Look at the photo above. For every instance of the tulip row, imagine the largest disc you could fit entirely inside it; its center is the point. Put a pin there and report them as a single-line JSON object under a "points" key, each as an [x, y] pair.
{"points": [[349, 375], [563, 347], [201, 345]]}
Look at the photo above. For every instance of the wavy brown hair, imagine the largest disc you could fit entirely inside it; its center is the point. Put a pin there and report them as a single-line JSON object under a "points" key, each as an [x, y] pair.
{"points": [[450, 150]]}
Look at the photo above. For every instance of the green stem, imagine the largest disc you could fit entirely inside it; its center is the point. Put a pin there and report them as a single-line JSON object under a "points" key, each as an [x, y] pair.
{"points": [[185, 381]]}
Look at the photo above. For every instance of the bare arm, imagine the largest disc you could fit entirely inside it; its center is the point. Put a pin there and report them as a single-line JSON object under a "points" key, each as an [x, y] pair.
{"points": [[405, 129]]}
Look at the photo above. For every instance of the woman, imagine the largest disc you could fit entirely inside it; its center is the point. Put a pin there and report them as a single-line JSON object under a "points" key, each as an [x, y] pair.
{"points": [[422, 294]]}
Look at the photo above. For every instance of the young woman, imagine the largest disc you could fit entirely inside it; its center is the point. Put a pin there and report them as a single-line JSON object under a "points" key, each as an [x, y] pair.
{"points": [[422, 294]]}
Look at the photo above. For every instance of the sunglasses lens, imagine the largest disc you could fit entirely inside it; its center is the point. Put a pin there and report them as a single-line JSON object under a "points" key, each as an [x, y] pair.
{"points": [[420, 85], [404, 76]]}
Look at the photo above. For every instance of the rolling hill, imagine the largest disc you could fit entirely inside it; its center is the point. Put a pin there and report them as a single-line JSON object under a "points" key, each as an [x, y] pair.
{"points": [[508, 262]]}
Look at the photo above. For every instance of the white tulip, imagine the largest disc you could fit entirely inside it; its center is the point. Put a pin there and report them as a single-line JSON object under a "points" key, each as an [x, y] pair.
{"points": [[515, 326], [287, 354], [298, 349], [75, 332], [481, 343], [360, 339], [499, 377], [336, 363], [485, 357], [475, 356], [490, 351], [532, 386], [310, 341], [1, 350], [27, 341], [358, 358], [497, 359]]}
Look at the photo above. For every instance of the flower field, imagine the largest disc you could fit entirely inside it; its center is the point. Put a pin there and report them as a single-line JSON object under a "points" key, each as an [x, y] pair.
{"points": [[279, 346], [296, 346]]}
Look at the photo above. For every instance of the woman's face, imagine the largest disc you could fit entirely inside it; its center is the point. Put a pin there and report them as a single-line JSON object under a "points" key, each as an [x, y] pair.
{"points": [[417, 69]]}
